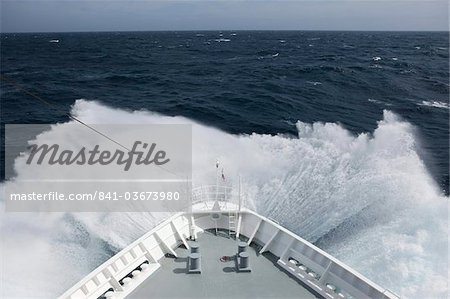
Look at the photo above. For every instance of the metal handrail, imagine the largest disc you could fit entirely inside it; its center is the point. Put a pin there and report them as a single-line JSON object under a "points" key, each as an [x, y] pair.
{"points": [[215, 193], [212, 193]]}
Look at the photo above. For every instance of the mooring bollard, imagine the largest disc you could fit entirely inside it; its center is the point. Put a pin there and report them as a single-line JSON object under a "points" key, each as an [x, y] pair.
{"points": [[195, 248], [244, 264], [195, 263], [242, 247]]}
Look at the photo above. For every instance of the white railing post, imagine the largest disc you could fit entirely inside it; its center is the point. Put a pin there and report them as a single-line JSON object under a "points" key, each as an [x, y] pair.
{"points": [[239, 195], [112, 280], [84, 289], [238, 230], [180, 235], [124, 260], [161, 241], [255, 230], [192, 229], [115, 284], [147, 253], [286, 250], [96, 280], [325, 273], [266, 246]]}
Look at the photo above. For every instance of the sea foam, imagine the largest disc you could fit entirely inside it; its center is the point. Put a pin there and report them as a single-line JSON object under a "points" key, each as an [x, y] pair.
{"points": [[367, 199]]}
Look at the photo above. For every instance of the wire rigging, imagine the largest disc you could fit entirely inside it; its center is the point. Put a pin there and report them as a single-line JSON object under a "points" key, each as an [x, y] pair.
{"points": [[60, 108]]}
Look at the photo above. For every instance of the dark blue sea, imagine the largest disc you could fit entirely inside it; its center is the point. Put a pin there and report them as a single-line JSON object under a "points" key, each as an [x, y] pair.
{"points": [[341, 137], [241, 82]]}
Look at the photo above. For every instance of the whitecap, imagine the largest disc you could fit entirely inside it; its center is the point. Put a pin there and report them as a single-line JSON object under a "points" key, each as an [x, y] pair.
{"points": [[435, 104], [289, 122], [376, 58], [374, 101], [54, 41], [314, 82], [222, 40], [378, 102]]}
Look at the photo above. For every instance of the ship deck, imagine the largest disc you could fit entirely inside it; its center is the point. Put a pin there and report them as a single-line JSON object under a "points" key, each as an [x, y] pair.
{"points": [[220, 279]]}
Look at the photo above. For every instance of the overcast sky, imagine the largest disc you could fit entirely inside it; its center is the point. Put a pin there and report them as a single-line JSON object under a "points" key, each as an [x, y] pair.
{"points": [[124, 15]]}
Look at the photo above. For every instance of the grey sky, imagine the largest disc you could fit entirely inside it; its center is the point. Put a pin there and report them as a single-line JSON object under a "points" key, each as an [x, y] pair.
{"points": [[102, 15]]}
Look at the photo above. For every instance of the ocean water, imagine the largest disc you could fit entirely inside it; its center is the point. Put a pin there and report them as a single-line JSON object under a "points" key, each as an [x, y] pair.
{"points": [[343, 137]]}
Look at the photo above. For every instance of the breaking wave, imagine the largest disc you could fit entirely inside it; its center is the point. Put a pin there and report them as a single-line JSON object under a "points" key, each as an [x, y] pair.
{"points": [[367, 199], [435, 104]]}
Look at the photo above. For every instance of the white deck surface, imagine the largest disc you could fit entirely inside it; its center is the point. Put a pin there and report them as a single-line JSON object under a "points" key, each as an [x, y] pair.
{"points": [[219, 279]]}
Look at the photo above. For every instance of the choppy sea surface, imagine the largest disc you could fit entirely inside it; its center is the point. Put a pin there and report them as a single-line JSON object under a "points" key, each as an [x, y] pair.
{"points": [[343, 137]]}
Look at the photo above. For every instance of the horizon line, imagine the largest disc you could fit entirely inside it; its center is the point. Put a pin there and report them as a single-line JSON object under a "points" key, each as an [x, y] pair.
{"points": [[224, 30]]}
